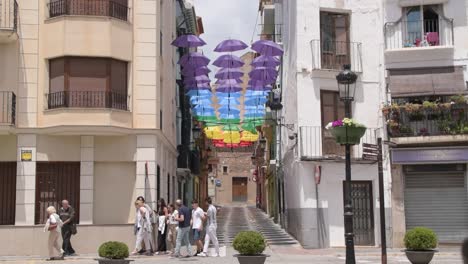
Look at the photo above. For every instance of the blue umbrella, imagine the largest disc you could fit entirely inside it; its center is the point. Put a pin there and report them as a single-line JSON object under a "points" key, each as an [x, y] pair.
{"points": [[250, 107], [229, 116], [198, 92], [226, 110], [205, 112], [203, 106], [256, 101], [255, 93], [254, 115], [256, 111], [229, 100], [202, 102], [236, 95]]}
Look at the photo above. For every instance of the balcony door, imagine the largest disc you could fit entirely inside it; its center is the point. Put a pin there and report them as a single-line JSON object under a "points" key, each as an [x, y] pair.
{"points": [[422, 23], [334, 36], [332, 109]]}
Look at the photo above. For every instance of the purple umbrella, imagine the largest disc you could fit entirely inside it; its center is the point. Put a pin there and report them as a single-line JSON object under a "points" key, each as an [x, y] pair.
{"points": [[228, 89], [199, 88], [227, 73], [230, 45], [191, 83], [265, 61], [260, 83], [188, 41], [228, 81], [228, 61], [267, 47], [202, 78], [260, 73], [194, 59], [194, 71], [235, 85]]}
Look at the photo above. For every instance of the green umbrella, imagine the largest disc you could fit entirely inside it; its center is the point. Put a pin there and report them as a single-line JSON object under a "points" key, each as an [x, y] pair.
{"points": [[231, 127], [230, 121], [207, 118], [250, 126]]}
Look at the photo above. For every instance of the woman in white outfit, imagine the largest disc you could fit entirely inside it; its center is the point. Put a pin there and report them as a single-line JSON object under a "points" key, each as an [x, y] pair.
{"points": [[54, 226], [143, 228]]}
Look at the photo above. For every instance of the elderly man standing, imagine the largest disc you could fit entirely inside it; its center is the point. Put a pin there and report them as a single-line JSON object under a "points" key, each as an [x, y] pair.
{"points": [[67, 215]]}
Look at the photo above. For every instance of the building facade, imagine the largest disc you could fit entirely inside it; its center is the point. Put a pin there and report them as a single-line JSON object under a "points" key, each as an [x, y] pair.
{"points": [[319, 37], [88, 107], [426, 112]]}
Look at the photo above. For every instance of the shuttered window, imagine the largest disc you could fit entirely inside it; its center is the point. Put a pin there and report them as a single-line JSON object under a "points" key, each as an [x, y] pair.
{"points": [[332, 109], [7, 193], [56, 181]]}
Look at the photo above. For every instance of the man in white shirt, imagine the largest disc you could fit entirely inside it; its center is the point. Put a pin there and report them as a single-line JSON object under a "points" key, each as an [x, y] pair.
{"points": [[212, 225], [197, 224]]}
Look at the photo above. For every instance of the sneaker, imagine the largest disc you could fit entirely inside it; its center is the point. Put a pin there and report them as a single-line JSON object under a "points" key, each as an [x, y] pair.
{"points": [[202, 254], [149, 253], [174, 256], [157, 253]]}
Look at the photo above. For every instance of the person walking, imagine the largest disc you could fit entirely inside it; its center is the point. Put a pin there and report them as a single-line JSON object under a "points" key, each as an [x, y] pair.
{"points": [[197, 224], [53, 226], [143, 229], [184, 219], [162, 229], [152, 220], [172, 227], [67, 215], [212, 225]]}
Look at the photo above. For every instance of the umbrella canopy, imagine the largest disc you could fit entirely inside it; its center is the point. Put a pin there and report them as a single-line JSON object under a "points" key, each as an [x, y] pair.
{"points": [[200, 97], [231, 127], [194, 71], [248, 136], [214, 132], [188, 41], [255, 93], [206, 102], [222, 95], [253, 107], [229, 116], [265, 61], [228, 101], [254, 115], [202, 78], [230, 45], [261, 71], [228, 110], [265, 88], [203, 107], [255, 101], [198, 87], [194, 92], [230, 120], [229, 89], [228, 75], [229, 81], [249, 127], [267, 47], [208, 118], [195, 83], [260, 83], [255, 111], [194, 59], [228, 61]]}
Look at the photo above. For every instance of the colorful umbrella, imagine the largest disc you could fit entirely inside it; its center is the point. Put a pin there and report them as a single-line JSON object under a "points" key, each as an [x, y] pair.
{"points": [[236, 95], [249, 127], [228, 101], [255, 101], [267, 47], [194, 59], [188, 41], [231, 127], [229, 89], [248, 136], [228, 110], [265, 61], [193, 71], [228, 61], [230, 45], [229, 116], [194, 92], [229, 120], [229, 81], [228, 75]]}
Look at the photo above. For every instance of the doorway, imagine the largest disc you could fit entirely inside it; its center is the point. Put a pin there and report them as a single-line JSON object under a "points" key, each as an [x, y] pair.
{"points": [[239, 189]]}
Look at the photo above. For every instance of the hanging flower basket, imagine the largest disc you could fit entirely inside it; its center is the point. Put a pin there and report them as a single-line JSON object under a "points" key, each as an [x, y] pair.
{"points": [[347, 131]]}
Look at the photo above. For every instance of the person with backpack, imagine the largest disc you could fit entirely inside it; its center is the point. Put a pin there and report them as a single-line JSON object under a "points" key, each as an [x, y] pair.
{"points": [[54, 226]]}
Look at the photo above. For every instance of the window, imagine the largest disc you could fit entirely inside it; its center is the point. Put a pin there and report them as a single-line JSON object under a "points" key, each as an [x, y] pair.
{"points": [[87, 82], [225, 169], [110, 8], [158, 182], [335, 45], [422, 25], [56, 181], [168, 188], [332, 109], [7, 193]]}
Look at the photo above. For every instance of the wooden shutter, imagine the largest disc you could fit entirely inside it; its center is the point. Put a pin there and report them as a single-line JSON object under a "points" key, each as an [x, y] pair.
{"points": [[332, 109]]}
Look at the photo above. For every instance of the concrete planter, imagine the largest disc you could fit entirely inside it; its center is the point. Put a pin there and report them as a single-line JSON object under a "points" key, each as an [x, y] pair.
{"points": [[257, 259], [113, 261], [420, 257]]}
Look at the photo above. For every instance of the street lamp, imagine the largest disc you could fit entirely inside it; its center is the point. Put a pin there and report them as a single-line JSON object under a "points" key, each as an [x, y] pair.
{"points": [[196, 132], [347, 87]]}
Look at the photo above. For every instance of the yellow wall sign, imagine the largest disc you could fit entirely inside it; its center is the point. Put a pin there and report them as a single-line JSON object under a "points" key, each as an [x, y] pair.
{"points": [[26, 155]]}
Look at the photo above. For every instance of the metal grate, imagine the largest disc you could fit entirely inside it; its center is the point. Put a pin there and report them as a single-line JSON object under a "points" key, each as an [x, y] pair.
{"points": [[363, 217]]}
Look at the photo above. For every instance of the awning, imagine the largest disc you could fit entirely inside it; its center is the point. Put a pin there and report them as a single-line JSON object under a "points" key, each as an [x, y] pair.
{"points": [[441, 155], [426, 81]]}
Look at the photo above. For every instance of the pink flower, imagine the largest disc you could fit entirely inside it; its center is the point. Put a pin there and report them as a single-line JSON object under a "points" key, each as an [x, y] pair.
{"points": [[337, 123]]}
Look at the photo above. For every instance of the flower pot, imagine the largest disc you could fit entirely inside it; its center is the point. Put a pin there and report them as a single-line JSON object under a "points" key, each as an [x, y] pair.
{"points": [[256, 259], [113, 261], [354, 134], [420, 257]]}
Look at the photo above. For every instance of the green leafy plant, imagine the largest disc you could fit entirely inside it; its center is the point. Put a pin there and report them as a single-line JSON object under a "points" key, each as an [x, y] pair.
{"points": [[420, 239], [430, 105], [113, 250], [458, 99], [249, 243]]}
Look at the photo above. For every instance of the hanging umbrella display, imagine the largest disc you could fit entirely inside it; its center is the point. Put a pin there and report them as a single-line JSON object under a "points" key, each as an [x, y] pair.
{"points": [[188, 41], [209, 118], [230, 120], [194, 71], [228, 81], [256, 101], [230, 45], [229, 89], [229, 75], [229, 116], [231, 137], [261, 73], [194, 59], [231, 127], [249, 127], [267, 47], [226, 110], [229, 101], [265, 61], [195, 92], [248, 136], [214, 132], [228, 61], [222, 95]]}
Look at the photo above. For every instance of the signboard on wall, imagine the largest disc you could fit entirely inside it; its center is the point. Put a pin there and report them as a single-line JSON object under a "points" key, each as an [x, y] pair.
{"points": [[26, 155], [218, 182]]}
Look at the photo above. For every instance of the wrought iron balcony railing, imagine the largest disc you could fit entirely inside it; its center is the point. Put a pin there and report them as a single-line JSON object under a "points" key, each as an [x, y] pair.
{"points": [[8, 15], [317, 143], [88, 99], [332, 55], [106, 8], [419, 33], [7, 108]]}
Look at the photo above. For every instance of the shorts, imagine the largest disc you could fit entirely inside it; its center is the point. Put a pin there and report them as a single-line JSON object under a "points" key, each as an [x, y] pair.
{"points": [[196, 234]]}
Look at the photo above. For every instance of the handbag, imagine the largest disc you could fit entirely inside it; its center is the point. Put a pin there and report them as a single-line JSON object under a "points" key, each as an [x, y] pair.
{"points": [[73, 229]]}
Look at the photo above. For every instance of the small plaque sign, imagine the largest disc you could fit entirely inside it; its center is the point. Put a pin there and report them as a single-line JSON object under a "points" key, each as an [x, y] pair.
{"points": [[26, 155]]}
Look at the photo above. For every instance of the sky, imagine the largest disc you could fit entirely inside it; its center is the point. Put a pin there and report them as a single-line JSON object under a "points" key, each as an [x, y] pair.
{"points": [[224, 19]]}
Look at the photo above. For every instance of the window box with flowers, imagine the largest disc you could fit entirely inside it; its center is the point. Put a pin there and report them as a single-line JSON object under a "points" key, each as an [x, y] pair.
{"points": [[347, 131]]}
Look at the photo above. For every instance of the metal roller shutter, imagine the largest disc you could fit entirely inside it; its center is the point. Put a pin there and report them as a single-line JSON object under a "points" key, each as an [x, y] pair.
{"points": [[437, 199]]}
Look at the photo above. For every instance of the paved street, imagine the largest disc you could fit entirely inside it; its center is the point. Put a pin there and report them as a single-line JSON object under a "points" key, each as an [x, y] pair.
{"points": [[282, 248]]}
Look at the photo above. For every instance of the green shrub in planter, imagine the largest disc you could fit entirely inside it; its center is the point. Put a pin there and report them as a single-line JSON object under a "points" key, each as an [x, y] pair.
{"points": [[249, 243], [113, 250], [420, 239]]}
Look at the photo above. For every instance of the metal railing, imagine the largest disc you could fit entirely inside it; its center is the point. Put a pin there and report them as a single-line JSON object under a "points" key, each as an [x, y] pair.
{"points": [[7, 108], [88, 99], [8, 15], [273, 32], [332, 55], [88, 8], [428, 122], [421, 33], [316, 143]]}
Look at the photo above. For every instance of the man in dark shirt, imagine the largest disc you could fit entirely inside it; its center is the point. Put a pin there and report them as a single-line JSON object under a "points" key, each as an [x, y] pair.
{"points": [[184, 229], [67, 215]]}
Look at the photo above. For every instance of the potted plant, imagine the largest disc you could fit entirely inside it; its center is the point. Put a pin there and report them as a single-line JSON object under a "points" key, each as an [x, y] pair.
{"points": [[420, 243], [414, 112], [346, 131], [432, 110], [250, 245], [113, 252]]}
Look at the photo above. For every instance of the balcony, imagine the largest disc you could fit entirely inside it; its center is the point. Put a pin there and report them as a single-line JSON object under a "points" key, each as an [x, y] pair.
{"points": [[428, 119], [419, 34], [8, 20], [7, 108], [332, 55], [106, 8], [87, 99], [271, 32], [316, 143]]}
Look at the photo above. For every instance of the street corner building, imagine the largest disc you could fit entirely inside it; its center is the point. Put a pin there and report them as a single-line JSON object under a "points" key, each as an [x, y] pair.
{"points": [[88, 104], [411, 66]]}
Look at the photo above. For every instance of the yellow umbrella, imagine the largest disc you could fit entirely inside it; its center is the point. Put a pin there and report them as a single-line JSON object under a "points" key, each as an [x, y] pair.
{"points": [[249, 136], [231, 137], [214, 133]]}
